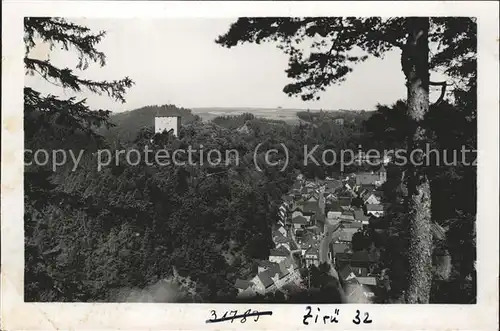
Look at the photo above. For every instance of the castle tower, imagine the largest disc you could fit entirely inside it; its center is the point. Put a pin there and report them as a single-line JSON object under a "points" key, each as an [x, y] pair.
{"points": [[168, 123], [383, 174]]}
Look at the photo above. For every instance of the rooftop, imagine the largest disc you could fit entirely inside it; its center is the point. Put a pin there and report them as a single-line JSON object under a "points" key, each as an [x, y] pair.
{"points": [[367, 280], [334, 206], [345, 201], [359, 215], [312, 251], [265, 278], [280, 251], [366, 178], [266, 264], [310, 207], [299, 220], [346, 234], [242, 284], [340, 248], [374, 207], [334, 184], [351, 225], [348, 213]]}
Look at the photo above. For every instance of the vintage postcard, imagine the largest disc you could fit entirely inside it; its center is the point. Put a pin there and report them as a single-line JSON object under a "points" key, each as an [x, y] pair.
{"points": [[249, 165]]}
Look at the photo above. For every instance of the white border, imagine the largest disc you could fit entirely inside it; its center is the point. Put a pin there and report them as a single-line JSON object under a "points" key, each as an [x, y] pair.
{"points": [[15, 314]]}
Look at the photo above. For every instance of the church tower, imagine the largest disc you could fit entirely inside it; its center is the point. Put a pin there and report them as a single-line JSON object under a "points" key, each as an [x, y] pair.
{"points": [[383, 175]]}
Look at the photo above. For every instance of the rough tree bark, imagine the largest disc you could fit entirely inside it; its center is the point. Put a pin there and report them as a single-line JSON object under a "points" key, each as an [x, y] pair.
{"points": [[415, 65]]}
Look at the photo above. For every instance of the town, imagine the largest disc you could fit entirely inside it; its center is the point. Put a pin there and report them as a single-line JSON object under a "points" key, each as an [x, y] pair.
{"points": [[316, 224]]}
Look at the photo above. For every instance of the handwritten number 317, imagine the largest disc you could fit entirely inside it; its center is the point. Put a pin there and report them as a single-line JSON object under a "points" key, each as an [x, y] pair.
{"points": [[357, 320]]}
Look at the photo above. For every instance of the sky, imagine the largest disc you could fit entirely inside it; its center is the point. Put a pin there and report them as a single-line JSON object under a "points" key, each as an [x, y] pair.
{"points": [[176, 61]]}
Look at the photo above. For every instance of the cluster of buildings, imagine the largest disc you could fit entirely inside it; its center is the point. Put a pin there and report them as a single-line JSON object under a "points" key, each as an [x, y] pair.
{"points": [[357, 206], [280, 272], [316, 223]]}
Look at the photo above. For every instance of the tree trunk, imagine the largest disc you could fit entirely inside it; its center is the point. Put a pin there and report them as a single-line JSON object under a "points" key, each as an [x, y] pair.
{"points": [[415, 63]]}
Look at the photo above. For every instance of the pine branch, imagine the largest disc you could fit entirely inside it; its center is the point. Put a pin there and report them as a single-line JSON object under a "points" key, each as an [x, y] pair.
{"points": [[59, 31], [114, 89]]}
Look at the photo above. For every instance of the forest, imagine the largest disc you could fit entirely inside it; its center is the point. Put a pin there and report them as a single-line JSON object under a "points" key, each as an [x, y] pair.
{"points": [[187, 233]]}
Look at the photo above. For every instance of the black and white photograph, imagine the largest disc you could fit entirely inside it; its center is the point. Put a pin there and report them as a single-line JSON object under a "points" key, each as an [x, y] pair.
{"points": [[297, 160]]}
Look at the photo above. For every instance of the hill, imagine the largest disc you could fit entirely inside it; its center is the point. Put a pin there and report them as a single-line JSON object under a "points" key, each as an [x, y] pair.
{"points": [[129, 123], [289, 115]]}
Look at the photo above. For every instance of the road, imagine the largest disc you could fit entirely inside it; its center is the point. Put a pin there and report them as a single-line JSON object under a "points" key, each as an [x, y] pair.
{"points": [[330, 230]]}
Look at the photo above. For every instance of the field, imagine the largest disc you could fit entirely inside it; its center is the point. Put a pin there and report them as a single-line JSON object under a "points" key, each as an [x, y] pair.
{"points": [[287, 115]]}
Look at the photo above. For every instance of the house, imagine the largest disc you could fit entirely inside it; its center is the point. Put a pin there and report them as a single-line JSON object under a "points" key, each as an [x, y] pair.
{"points": [[359, 271], [289, 273], [345, 200], [242, 285], [363, 258], [297, 186], [279, 254], [288, 199], [286, 266], [297, 212], [330, 197], [345, 208], [313, 198], [360, 263], [346, 273], [310, 208], [339, 121], [363, 188], [286, 244], [349, 269], [333, 210], [336, 248], [319, 221], [316, 230], [383, 174], [359, 216], [311, 256], [366, 178], [342, 259], [275, 234], [333, 185], [299, 222], [246, 288], [305, 193], [347, 215], [282, 230], [264, 283], [331, 216], [371, 199], [247, 293], [369, 280], [345, 234], [264, 265], [311, 185], [351, 225], [375, 210]]}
